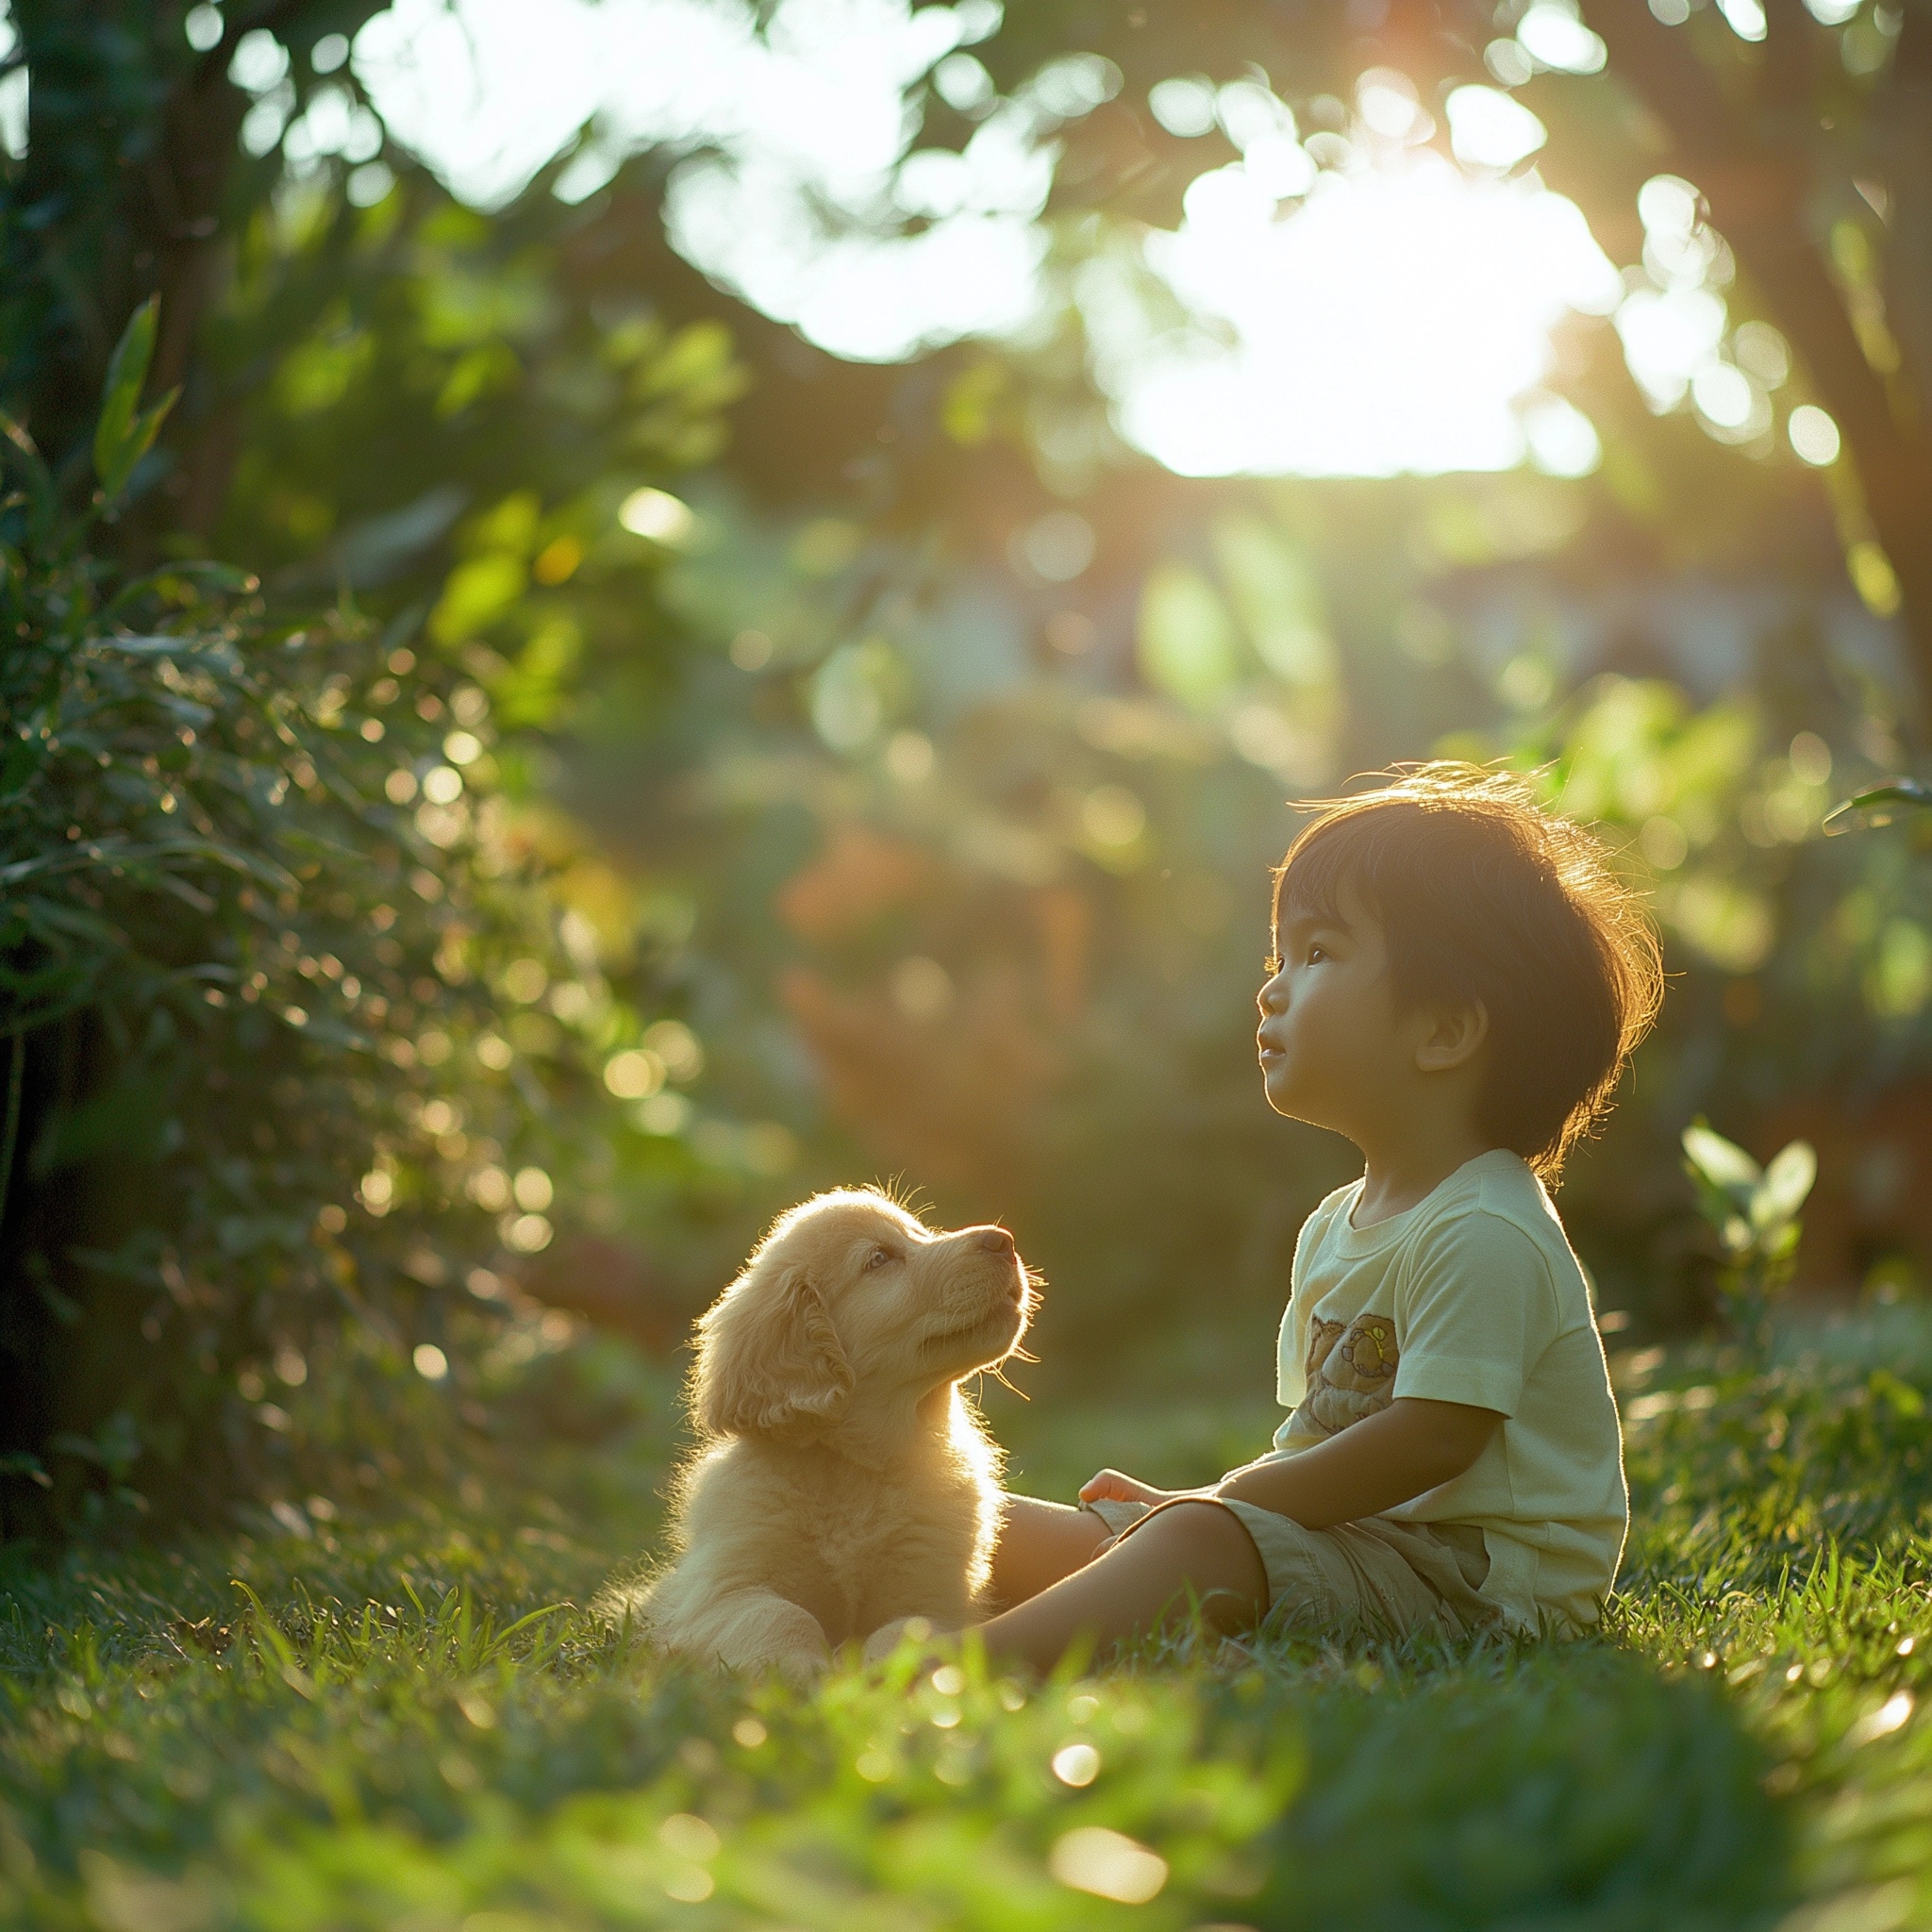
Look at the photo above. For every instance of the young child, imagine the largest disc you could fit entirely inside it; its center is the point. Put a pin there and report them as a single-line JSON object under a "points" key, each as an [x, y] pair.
{"points": [[1457, 980]]}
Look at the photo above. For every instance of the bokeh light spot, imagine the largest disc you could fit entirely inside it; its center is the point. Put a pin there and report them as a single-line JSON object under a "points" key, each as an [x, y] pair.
{"points": [[656, 514], [1814, 436], [1108, 1864]]}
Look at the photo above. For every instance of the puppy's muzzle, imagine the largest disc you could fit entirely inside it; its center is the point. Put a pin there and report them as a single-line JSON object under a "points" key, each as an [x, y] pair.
{"points": [[998, 1243], [989, 1300]]}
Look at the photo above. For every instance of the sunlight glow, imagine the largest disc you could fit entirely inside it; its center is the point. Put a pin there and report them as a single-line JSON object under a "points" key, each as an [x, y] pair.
{"points": [[1357, 304], [795, 183], [1400, 320]]}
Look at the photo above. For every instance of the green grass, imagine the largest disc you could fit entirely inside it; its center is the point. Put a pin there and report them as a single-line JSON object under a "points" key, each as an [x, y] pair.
{"points": [[404, 1718]]}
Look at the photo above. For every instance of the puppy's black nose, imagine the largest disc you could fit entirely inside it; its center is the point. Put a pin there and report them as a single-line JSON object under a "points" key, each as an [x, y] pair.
{"points": [[995, 1240]]}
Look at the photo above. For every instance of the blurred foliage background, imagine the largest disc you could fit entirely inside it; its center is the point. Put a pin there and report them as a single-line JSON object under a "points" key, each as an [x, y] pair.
{"points": [[654, 739]]}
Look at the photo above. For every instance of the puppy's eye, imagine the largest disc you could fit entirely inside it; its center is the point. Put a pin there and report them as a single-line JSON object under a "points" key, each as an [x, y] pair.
{"points": [[877, 1258]]}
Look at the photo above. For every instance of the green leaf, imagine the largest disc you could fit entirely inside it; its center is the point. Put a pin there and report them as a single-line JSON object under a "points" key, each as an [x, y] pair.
{"points": [[1877, 807], [125, 431], [502, 1641], [229, 578], [1904, 1400], [263, 1628], [1186, 638], [127, 1119], [115, 1446], [1785, 1184], [144, 647], [1720, 1163], [127, 377]]}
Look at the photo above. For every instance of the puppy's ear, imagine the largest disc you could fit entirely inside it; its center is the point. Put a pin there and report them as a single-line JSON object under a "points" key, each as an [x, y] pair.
{"points": [[769, 1360]]}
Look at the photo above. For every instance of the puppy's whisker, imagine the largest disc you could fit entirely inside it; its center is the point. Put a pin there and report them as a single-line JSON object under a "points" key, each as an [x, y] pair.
{"points": [[998, 1372], [903, 1194]]}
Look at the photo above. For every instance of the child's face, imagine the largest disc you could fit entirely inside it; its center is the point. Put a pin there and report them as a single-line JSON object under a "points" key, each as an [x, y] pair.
{"points": [[1335, 1047]]}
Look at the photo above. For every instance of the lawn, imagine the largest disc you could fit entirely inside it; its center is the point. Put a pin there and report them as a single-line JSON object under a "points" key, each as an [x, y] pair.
{"points": [[403, 1715]]}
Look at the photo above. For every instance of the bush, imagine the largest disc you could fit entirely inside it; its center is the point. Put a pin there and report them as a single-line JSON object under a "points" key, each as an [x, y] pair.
{"points": [[258, 894]]}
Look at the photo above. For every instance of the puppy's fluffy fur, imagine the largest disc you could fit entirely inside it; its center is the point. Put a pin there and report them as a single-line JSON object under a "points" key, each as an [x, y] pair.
{"points": [[841, 1479]]}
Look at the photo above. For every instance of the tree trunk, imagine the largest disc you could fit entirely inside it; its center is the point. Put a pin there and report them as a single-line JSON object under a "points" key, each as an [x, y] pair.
{"points": [[130, 186], [1755, 178]]}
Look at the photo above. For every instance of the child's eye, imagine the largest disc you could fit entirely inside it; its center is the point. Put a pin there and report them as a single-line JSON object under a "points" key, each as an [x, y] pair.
{"points": [[1316, 954]]}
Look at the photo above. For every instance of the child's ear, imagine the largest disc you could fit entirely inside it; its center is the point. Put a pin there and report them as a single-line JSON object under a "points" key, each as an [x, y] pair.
{"points": [[1455, 1038]]}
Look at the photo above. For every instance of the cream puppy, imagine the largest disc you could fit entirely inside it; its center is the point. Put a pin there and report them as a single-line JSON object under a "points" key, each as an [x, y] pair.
{"points": [[841, 1480]]}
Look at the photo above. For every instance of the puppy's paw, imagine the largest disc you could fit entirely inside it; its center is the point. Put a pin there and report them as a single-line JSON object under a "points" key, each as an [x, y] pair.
{"points": [[804, 1670]]}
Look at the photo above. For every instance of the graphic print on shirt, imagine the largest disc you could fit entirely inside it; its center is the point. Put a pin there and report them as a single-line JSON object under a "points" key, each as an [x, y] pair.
{"points": [[1350, 1370]]}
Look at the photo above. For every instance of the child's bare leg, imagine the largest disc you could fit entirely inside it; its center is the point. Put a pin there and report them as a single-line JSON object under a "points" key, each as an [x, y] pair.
{"points": [[1189, 1553], [1039, 1543]]}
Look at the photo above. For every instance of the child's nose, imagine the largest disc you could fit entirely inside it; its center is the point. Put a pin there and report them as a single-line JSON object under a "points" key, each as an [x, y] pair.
{"points": [[1273, 998]]}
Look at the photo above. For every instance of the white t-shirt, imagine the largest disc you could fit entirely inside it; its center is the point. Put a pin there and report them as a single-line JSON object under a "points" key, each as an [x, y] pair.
{"points": [[1473, 1296]]}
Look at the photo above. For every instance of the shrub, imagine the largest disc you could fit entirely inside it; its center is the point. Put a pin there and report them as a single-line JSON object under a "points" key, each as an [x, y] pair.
{"points": [[258, 898]]}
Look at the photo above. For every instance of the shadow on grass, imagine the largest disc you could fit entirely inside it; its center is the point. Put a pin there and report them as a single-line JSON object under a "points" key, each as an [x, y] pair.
{"points": [[1494, 1783]]}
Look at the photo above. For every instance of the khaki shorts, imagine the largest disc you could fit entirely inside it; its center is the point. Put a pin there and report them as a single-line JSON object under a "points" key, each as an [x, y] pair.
{"points": [[1396, 1579]]}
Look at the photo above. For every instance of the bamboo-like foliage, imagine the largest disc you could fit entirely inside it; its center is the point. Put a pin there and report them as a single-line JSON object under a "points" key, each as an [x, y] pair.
{"points": [[232, 966]]}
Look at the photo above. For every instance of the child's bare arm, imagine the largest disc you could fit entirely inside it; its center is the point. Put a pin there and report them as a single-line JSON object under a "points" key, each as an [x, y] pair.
{"points": [[1382, 1460], [1385, 1460], [1113, 1486]]}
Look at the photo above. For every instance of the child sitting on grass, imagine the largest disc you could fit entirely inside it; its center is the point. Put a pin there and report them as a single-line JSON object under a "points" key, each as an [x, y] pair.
{"points": [[1458, 981]]}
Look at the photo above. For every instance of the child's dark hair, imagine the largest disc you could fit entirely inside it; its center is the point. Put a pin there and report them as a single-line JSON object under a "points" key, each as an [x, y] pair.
{"points": [[1485, 897]]}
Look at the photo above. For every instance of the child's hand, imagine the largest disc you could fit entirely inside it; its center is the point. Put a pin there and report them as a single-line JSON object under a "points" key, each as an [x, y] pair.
{"points": [[1110, 1486]]}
